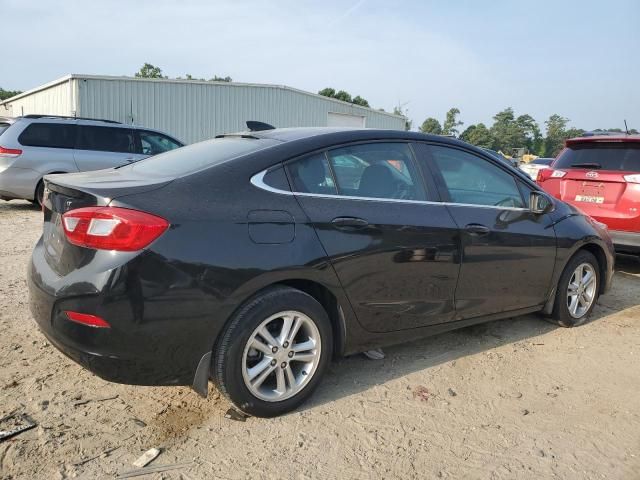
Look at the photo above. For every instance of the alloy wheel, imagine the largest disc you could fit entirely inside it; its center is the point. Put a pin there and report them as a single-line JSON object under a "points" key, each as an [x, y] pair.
{"points": [[581, 291], [281, 356]]}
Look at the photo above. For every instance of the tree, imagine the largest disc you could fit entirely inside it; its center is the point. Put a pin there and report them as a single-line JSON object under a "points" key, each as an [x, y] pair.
{"points": [[451, 122], [530, 133], [431, 125], [327, 92], [220, 79], [4, 94], [344, 96], [405, 114], [358, 100], [149, 71], [556, 134], [478, 135]]}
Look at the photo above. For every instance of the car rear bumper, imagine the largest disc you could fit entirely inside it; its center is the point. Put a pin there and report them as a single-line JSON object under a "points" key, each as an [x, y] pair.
{"points": [[625, 241], [143, 345]]}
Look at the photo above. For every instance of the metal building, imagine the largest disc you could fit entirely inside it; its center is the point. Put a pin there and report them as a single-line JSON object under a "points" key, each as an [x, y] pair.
{"points": [[192, 110]]}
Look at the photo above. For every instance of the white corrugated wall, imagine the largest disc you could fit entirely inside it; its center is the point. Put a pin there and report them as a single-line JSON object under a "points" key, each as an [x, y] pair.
{"points": [[52, 100], [194, 111]]}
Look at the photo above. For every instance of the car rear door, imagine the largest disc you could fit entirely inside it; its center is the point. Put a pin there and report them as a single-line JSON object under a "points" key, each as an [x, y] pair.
{"points": [[508, 253], [101, 147], [393, 247]]}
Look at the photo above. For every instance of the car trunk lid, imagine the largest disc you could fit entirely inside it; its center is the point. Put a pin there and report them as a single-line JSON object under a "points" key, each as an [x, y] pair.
{"points": [[87, 189]]}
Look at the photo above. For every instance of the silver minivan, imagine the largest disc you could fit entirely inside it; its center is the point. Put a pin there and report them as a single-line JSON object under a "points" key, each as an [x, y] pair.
{"points": [[33, 146]]}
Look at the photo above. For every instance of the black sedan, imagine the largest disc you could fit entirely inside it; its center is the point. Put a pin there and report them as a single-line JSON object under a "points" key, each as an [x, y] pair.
{"points": [[254, 258]]}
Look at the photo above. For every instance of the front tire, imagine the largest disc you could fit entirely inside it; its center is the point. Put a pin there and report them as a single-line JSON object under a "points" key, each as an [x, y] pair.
{"points": [[577, 290], [274, 352]]}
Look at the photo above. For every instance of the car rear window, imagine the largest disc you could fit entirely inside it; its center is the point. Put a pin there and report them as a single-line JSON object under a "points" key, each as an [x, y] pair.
{"points": [[542, 161], [51, 135], [605, 156], [198, 156]]}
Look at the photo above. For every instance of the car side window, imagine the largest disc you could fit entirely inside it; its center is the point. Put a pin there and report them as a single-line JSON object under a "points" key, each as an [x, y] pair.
{"points": [[312, 175], [472, 180], [106, 139], [154, 143], [51, 135], [377, 170]]}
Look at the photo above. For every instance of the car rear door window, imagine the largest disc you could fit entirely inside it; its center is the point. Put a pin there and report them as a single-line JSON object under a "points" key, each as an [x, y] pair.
{"points": [[51, 135], [472, 180], [153, 143], [624, 157], [106, 139], [312, 175], [377, 170]]}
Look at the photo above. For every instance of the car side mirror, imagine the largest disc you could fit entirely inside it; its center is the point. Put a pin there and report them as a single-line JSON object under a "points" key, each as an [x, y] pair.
{"points": [[539, 203]]}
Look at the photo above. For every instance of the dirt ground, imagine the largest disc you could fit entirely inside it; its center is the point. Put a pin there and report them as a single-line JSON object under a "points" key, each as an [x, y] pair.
{"points": [[517, 398]]}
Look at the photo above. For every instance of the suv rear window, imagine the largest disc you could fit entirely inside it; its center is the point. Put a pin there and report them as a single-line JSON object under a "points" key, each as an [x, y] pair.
{"points": [[198, 156], [51, 135], [605, 156], [3, 127]]}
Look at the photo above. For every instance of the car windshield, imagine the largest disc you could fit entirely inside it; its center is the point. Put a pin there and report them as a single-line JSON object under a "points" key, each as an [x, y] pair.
{"points": [[542, 161], [605, 156], [198, 156]]}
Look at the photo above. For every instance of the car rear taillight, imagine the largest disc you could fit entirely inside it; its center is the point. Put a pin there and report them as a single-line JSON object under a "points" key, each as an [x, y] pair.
{"points": [[547, 173], [10, 152], [112, 228], [86, 319], [635, 178]]}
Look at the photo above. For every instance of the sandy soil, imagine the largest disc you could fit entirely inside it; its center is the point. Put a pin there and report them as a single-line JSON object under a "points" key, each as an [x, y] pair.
{"points": [[518, 398]]}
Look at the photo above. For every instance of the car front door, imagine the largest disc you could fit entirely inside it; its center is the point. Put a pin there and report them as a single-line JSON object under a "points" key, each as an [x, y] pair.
{"points": [[393, 248], [100, 147], [508, 253]]}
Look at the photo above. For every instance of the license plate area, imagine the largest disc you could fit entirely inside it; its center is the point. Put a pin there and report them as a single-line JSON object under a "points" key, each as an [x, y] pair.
{"points": [[589, 199]]}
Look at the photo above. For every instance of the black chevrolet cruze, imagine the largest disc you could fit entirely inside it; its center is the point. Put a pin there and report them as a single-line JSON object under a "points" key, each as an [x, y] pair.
{"points": [[254, 258]]}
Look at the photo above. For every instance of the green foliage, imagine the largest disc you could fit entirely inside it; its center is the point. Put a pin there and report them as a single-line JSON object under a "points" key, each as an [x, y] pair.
{"points": [[149, 71], [4, 94], [344, 96], [431, 125], [358, 100], [451, 122], [327, 92], [478, 135], [403, 113], [556, 134]]}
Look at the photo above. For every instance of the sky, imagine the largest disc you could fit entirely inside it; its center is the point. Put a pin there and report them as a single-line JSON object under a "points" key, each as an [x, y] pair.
{"points": [[575, 58]]}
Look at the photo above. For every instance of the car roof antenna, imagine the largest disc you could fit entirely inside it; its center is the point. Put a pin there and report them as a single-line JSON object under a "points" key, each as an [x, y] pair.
{"points": [[625, 126], [255, 126]]}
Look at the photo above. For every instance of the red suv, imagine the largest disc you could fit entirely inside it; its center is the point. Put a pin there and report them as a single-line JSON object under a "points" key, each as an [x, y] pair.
{"points": [[601, 176]]}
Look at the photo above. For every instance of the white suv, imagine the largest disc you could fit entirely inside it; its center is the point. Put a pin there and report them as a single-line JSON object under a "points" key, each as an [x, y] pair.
{"points": [[36, 145]]}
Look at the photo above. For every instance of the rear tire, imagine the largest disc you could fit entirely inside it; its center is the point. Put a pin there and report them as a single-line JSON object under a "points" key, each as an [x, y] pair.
{"points": [[39, 194], [577, 290], [273, 353]]}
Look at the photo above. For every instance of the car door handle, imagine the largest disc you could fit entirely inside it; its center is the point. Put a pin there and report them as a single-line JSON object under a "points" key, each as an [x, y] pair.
{"points": [[477, 230], [349, 223]]}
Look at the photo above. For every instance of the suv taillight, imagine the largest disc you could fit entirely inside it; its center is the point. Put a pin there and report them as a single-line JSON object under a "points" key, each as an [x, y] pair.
{"points": [[112, 228], [10, 152], [547, 173], [635, 178]]}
